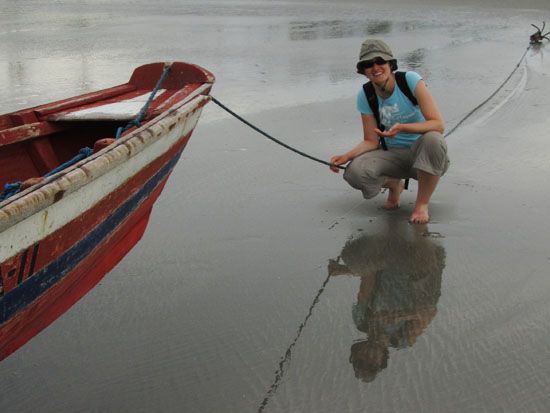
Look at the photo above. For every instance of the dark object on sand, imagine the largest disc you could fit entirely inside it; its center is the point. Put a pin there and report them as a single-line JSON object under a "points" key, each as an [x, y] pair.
{"points": [[64, 231], [536, 38]]}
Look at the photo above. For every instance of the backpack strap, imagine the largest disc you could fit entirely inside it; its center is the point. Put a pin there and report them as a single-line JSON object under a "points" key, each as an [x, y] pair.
{"points": [[401, 80], [372, 100]]}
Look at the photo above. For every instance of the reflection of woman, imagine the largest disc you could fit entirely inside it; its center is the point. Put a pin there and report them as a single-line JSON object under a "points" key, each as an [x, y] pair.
{"points": [[413, 135], [400, 286]]}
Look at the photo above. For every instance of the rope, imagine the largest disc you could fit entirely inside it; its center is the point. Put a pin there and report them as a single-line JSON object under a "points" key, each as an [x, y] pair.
{"points": [[137, 121], [82, 153], [10, 190], [221, 105], [14, 188], [491, 96], [257, 129], [286, 359]]}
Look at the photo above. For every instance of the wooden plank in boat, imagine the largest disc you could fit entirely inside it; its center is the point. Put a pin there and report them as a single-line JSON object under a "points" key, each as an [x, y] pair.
{"points": [[123, 110], [77, 101]]}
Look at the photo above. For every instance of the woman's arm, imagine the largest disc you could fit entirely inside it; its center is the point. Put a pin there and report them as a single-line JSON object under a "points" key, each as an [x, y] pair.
{"points": [[428, 107], [369, 143]]}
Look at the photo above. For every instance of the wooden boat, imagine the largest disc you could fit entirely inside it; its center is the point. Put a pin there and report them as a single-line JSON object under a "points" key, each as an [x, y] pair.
{"points": [[64, 231]]}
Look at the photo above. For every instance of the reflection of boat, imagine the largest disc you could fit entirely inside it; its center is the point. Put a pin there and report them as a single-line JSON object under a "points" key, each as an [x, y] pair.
{"points": [[59, 236]]}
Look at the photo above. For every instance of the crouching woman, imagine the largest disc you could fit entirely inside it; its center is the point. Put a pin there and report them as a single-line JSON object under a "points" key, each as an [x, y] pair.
{"points": [[408, 142]]}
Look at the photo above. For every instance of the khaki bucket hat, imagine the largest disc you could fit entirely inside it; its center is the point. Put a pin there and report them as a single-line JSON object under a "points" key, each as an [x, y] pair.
{"points": [[372, 48]]}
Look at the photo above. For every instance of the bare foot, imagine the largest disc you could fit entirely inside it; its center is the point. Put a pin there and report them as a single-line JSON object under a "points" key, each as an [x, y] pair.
{"points": [[395, 187], [420, 215]]}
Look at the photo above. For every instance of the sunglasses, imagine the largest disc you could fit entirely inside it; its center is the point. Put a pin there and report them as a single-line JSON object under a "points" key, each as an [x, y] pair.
{"points": [[367, 64]]}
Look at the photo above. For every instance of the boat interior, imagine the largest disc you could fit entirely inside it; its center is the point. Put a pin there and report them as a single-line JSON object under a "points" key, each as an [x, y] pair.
{"points": [[35, 141]]}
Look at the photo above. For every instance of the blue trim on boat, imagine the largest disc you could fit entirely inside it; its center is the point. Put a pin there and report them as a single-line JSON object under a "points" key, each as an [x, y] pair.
{"points": [[37, 284]]}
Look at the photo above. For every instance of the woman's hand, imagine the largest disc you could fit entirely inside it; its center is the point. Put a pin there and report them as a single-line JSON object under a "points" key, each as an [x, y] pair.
{"points": [[337, 161], [391, 132]]}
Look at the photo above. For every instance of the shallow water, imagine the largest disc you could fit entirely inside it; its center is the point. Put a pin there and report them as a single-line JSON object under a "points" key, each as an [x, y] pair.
{"points": [[263, 282]]}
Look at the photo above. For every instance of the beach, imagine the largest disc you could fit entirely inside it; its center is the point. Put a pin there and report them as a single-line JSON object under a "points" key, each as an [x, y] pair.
{"points": [[248, 291]]}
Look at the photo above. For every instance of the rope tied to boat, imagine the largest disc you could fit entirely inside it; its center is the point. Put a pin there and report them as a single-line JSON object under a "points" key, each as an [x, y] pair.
{"points": [[11, 189], [82, 154], [277, 141], [313, 158], [137, 120]]}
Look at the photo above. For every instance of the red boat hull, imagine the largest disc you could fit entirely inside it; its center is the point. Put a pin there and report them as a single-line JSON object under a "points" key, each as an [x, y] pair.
{"points": [[70, 213], [128, 208]]}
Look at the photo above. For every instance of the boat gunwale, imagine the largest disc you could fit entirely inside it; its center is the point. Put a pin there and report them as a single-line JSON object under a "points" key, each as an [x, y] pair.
{"points": [[34, 199]]}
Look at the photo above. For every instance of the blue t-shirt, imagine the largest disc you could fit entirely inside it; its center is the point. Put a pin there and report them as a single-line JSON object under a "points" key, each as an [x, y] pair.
{"points": [[396, 109]]}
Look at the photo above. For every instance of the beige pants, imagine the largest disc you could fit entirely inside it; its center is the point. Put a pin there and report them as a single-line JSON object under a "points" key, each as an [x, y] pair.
{"points": [[368, 172]]}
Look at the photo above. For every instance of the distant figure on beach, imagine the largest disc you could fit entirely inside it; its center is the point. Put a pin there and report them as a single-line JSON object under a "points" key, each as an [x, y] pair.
{"points": [[398, 294], [407, 142]]}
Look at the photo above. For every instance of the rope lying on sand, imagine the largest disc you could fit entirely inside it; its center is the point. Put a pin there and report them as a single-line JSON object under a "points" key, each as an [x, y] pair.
{"points": [[491, 96], [221, 105], [313, 158]]}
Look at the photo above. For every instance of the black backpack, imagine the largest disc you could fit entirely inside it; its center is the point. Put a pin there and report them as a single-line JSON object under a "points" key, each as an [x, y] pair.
{"points": [[373, 101]]}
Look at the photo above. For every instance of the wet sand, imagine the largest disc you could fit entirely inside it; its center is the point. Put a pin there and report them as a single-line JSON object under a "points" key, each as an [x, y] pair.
{"points": [[265, 283]]}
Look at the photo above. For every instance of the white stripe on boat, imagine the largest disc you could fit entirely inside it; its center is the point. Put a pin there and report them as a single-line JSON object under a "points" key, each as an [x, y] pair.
{"points": [[124, 110], [90, 180]]}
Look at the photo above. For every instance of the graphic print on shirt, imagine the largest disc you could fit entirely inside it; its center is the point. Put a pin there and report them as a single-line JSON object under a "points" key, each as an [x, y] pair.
{"points": [[390, 115], [386, 115]]}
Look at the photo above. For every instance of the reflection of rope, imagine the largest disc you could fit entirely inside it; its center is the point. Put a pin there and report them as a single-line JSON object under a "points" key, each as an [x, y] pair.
{"points": [[288, 353]]}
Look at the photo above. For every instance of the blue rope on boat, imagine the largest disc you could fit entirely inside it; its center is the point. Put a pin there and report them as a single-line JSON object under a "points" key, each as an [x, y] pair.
{"points": [[14, 188], [82, 153], [137, 121], [10, 190]]}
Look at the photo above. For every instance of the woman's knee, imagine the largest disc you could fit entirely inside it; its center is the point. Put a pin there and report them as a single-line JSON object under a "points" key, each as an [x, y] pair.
{"points": [[371, 190], [357, 175], [430, 154], [352, 174], [432, 143]]}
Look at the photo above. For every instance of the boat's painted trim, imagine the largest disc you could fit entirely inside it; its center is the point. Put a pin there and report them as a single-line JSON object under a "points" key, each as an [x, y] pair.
{"points": [[24, 264], [61, 236], [21, 205], [38, 283], [60, 297], [43, 223]]}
